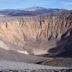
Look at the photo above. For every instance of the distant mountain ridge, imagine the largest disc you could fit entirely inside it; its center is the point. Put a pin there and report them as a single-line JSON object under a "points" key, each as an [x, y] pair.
{"points": [[29, 11]]}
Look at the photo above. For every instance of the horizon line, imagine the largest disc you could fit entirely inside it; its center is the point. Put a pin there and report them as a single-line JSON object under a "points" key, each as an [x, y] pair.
{"points": [[31, 7]]}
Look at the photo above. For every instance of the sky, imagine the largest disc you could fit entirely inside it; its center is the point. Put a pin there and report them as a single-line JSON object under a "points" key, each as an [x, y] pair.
{"points": [[21, 4]]}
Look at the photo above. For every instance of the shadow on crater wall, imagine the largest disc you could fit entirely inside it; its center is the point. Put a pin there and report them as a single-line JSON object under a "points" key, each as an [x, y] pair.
{"points": [[64, 49]]}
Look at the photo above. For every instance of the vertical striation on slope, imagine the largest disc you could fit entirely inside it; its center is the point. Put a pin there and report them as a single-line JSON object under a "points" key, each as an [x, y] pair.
{"points": [[38, 34]]}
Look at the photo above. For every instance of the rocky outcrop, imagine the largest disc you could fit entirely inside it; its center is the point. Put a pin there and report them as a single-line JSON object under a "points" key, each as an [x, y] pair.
{"points": [[42, 34]]}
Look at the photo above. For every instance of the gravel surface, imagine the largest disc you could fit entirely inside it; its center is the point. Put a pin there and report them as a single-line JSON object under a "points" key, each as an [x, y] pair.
{"points": [[39, 70], [22, 66]]}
